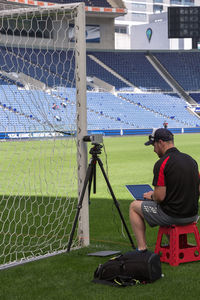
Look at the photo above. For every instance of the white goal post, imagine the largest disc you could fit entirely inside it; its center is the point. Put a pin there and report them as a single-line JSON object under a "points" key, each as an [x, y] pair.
{"points": [[43, 120]]}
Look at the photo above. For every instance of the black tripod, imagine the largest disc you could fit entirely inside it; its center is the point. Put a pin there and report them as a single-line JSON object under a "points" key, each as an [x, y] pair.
{"points": [[91, 175]]}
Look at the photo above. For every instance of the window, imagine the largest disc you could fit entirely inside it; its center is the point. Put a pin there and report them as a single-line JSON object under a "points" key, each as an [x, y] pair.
{"points": [[175, 2], [188, 2], [157, 8], [182, 2], [139, 6], [121, 29], [139, 17]]}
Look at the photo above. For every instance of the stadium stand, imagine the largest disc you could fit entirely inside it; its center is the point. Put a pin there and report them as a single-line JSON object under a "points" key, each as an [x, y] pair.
{"points": [[126, 109], [131, 66], [95, 69], [38, 62], [134, 67], [169, 106], [127, 114], [196, 97], [183, 66], [105, 111]]}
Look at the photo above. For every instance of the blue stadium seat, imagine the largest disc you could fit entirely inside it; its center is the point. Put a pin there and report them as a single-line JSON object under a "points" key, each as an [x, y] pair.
{"points": [[94, 69], [39, 65], [183, 66], [32, 110], [169, 106], [134, 67], [196, 97]]}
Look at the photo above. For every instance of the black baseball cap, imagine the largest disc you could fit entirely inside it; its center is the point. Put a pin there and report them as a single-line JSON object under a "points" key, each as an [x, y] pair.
{"points": [[160, 134]]}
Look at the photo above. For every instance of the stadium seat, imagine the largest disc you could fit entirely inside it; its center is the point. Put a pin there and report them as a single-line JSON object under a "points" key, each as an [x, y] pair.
{"points": [[182, 66], [133, 67], [178, 250]]}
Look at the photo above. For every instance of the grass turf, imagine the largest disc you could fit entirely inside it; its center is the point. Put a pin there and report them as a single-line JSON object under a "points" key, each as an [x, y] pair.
{"points": [[68, 276]]}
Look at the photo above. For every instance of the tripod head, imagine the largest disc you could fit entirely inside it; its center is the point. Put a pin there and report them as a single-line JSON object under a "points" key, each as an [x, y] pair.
{"points": [[96, 149], [96, 140]]}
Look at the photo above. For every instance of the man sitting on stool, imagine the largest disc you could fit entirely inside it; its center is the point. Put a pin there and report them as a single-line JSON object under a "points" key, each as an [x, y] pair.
{"points": [[176, 189]]}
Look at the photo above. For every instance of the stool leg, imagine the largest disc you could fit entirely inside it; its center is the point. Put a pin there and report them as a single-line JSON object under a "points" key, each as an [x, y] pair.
{"points": [[174, 246], [159, 240], [197, 237]]}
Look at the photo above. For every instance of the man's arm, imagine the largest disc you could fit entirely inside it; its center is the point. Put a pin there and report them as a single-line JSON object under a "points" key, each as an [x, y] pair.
{"points": [[158, 195]]}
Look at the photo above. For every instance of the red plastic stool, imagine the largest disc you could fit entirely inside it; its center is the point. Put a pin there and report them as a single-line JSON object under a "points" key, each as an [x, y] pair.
{"points": [[179, 250]]}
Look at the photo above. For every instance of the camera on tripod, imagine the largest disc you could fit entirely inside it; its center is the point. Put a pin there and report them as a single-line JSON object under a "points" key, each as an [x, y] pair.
{"points": [[95, 139]]}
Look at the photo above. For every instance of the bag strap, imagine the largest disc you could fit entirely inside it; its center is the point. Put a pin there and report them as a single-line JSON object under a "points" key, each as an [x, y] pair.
{"points": [[118, 282]]}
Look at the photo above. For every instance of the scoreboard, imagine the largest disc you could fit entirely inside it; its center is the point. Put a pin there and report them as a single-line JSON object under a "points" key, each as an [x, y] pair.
{"points": [[184, 22]]}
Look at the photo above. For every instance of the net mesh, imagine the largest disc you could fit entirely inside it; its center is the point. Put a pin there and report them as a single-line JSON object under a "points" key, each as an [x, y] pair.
{"points": [[38, 167]]}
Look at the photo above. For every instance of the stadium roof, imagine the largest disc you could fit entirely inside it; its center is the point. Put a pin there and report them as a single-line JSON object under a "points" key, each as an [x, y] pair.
{"points": [[112, 8]]}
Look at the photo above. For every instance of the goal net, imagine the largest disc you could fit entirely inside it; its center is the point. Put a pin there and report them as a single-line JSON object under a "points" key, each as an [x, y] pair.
{"points": [[43, 157]]}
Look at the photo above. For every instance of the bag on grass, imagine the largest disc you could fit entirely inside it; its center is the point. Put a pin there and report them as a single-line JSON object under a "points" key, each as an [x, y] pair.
{"points": [[129, 269]]}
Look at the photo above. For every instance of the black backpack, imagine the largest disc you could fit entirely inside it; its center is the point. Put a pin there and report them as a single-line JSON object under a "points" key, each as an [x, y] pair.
{"points": [[129, 269]]}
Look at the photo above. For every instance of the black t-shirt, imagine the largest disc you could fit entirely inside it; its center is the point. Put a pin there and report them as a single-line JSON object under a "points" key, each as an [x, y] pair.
{"points": [[179, 173]]}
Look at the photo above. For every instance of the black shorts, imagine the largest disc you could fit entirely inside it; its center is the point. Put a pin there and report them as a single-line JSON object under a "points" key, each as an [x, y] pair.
{"points": [[155, 216]]}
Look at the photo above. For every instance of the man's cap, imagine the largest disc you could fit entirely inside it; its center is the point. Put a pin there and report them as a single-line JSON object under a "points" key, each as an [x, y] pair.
{"points": [[160, 134]]}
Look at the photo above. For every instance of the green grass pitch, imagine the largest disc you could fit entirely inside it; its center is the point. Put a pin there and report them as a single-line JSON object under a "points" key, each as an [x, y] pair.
{"points": [[68, 276]]}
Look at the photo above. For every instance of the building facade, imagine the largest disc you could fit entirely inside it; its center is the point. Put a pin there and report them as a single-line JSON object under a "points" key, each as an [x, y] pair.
{"points": [[144, 14]]}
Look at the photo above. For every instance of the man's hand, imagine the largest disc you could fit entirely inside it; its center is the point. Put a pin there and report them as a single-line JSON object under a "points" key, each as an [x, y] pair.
{"points": [[147, 195], [157, 195]]}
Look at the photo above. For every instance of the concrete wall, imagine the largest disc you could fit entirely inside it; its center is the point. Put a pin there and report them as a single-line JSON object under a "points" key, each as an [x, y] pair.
{"points": [[159, 39], [107, 33], [122, 41]]}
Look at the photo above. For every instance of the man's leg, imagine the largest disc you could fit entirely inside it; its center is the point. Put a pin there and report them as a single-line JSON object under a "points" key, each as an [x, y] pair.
{"points": [[138, 224]]}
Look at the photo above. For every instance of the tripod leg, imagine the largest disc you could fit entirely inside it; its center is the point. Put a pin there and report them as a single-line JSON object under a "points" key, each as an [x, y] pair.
{"points": [[115, 201], [88, 178], [93, 178]]}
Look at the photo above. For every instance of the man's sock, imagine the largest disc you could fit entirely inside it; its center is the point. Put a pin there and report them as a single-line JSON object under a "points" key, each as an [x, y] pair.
{"points": [[141, 251]]}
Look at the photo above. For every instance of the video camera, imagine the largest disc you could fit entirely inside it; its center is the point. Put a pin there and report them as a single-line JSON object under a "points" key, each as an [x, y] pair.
{"points": [[95, 139]]}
